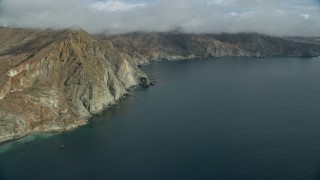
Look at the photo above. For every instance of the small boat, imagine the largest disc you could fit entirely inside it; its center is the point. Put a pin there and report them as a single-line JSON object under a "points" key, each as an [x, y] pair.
{"points": [[61, 146]]}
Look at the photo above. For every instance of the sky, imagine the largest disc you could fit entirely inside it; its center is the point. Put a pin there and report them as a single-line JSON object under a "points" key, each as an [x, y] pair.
{"points": [[273, 17]]}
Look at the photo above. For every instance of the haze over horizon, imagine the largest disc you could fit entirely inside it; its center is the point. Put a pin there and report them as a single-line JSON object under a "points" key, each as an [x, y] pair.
{"points": [[274, 17]]}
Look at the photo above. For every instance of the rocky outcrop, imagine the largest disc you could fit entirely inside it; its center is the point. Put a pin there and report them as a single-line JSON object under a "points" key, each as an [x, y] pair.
{"points": [[173, 46], [55, 80]]}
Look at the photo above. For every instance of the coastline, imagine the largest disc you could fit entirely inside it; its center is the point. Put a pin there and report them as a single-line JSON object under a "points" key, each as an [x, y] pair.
{"points": [[59, 87], [72, 127]]}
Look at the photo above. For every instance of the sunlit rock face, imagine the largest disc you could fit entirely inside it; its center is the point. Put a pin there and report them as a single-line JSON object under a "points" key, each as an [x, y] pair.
{"points": [[55, 80]]}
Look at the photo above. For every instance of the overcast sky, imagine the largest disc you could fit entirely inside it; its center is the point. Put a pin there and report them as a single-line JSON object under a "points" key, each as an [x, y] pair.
{"points": [[275, 17]]}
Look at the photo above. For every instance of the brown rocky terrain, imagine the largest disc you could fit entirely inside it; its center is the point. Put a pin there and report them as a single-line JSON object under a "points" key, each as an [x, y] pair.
{"points": [[55, 80]]}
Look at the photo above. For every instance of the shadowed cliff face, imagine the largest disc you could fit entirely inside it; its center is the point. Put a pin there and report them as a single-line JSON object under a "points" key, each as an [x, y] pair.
{"points": [[153, 46], [55, 80]]}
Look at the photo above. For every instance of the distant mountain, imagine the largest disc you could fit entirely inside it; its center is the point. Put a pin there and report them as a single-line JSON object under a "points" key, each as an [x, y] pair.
{"points": [[153, 46]]}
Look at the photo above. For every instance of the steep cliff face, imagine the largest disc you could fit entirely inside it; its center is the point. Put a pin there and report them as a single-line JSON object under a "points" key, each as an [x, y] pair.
{"points": [[154, 46], [55, 80]]}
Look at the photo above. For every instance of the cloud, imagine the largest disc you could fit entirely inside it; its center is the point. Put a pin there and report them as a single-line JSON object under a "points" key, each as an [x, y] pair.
{"points": [[220, 2], [305, 16], [115, 6], [285, 17]]}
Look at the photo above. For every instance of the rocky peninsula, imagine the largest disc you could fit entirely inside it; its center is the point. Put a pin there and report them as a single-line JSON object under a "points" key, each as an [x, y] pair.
{"points": [[55, 80]]}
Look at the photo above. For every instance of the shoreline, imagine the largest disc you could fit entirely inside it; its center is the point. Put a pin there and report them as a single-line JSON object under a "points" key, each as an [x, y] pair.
{"points": [[72, 126]]}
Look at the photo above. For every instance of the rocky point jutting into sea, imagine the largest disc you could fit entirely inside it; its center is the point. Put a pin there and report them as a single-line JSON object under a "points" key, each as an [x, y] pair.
{"points": [[55, 80]]}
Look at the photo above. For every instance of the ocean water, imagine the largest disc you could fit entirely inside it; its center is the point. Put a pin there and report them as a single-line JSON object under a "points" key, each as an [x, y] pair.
{"points": [[226, 118]]}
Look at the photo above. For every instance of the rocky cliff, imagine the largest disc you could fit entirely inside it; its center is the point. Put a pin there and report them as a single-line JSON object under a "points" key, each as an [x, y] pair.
{"points": [[55, 80], [154, 46]]}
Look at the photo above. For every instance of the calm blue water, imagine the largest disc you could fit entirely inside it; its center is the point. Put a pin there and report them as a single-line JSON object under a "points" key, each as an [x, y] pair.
{"points": [[209, 119]]}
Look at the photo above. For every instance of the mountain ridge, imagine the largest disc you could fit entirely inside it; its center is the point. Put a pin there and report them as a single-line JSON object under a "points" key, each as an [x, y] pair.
{"points": [[153, 46]]}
